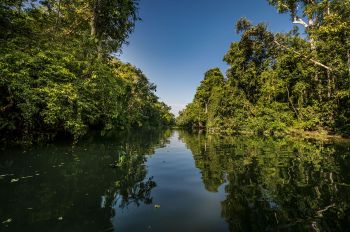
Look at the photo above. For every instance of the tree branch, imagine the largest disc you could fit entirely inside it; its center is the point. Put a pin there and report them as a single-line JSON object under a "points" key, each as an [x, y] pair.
{"points": [[3, 109], [298, 53], [319, 213], [298, 20]]}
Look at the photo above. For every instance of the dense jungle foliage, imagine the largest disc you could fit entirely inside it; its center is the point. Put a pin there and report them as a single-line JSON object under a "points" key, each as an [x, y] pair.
{"points": [[281, 83], [59, 73]]}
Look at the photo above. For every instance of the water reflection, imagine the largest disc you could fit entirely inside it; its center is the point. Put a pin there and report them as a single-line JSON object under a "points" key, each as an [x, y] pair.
{"points": [[276, 184], [217, 184], [79, 188]]}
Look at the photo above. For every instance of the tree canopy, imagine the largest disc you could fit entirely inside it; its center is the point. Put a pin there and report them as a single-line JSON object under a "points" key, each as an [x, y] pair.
{"points": [[283, 82], [59, 75]]}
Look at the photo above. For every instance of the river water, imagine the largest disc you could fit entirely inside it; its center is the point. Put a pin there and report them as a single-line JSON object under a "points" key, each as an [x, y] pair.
{"points": [[176, 181]]}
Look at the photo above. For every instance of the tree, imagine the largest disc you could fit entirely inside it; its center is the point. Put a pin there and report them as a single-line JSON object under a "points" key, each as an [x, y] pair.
{"points": [[212, 79], [58, 75], [111, 22], [279, 83]]}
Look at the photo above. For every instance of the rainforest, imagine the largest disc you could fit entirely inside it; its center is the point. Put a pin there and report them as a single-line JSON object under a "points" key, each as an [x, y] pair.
{"points": [[281, 83], [58, 74], [174, 115]]}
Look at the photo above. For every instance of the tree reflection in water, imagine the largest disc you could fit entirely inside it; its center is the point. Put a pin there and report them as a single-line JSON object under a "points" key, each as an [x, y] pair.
{"points": [[276, 184], [77, 188]]}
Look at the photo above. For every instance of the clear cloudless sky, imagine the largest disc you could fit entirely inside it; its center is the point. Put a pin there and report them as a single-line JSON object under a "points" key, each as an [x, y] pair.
{"points": [[177, 41]]}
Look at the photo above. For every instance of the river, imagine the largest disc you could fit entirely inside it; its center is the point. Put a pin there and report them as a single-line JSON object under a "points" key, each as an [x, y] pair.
{"points": [[176, 181]]}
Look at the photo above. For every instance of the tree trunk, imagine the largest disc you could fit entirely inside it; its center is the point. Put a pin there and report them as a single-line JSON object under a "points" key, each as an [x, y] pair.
{"points": [[93, 21], [348, 54], [328, 8], [19, 6], [99, 49], [306, 25], [93, 28], [291, 103], [58, 13], [312, 41], [200, 125], [329, 86]]}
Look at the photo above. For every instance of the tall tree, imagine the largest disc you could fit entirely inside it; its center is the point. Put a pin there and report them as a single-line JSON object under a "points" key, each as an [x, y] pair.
{"points": [[111, 22], [212, 79]]}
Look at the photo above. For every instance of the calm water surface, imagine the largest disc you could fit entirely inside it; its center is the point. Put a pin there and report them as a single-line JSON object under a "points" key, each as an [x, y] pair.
{"points": [[176, 181]]}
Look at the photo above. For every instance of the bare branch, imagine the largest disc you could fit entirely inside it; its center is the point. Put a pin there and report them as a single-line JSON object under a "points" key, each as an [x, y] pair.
{"points": [[298, 20], [298, 53]]}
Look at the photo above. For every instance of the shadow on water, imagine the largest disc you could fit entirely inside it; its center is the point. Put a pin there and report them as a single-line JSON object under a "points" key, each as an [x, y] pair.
{"points": [[76, 188], [276, 184]]}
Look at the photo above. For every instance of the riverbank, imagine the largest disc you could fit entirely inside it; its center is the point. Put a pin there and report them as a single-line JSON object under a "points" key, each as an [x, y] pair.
{"points": [[322, 135], [319, 135]]}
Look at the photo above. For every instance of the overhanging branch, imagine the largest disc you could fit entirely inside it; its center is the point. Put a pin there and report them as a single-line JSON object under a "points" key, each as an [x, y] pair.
{"points": [[298, 53]]}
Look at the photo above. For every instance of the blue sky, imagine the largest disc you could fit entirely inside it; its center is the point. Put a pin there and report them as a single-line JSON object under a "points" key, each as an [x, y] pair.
{"points": [[177, 41]]}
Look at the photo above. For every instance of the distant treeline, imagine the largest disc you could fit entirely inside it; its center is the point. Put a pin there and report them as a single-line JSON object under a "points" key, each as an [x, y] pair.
{"points": [[281, 83], [59, 75]]}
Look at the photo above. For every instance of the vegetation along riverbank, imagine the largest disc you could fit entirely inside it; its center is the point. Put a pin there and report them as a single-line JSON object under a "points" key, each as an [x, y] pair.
{"points": [[281, 83], [59, 73]]}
